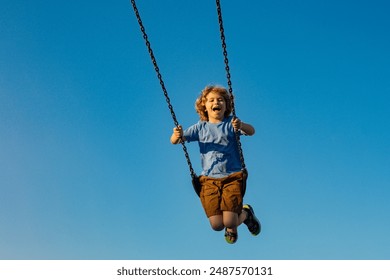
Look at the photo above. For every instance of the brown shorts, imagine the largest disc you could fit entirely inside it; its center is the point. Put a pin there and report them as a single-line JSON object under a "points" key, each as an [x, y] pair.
{"points": [[221, 194]]}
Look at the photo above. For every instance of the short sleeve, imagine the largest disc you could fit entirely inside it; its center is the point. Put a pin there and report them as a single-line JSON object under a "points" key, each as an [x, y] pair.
{"points": [[191, 134]]}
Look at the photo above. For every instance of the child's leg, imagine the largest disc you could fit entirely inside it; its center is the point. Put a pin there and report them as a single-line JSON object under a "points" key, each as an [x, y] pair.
{"points": [[216, 222], [210, 197], [232, 219]]}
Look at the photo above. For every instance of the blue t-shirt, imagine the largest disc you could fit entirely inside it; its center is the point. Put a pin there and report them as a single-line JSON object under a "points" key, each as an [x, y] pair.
{"points": [[218, 147]]}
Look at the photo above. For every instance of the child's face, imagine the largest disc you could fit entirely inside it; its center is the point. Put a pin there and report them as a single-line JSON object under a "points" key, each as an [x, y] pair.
{"points": [[215, 106]]}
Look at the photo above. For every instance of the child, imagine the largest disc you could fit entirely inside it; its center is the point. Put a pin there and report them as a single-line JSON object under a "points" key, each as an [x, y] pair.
{"points": [[222, 177]]}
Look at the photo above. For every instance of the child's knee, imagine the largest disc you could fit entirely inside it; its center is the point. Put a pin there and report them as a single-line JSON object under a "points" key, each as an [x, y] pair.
{"points": [[230, 219], [216, 223], [217, 227]]}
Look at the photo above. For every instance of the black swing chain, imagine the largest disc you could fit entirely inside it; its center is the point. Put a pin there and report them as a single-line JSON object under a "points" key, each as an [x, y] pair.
{"points": [[228, 76], [159, 76]]}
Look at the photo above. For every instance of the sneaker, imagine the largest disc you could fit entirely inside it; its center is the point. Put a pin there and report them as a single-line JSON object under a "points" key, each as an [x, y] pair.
{"points": [[251, 221]]}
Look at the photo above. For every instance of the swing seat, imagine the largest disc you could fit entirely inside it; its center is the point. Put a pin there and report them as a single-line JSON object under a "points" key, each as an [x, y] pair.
{"points": [[196, 184], [198, 187], [244, 178]]}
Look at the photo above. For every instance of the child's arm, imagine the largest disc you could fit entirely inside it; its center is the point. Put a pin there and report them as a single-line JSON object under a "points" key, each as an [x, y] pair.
{"points": [[246, 128], [177, 135]]}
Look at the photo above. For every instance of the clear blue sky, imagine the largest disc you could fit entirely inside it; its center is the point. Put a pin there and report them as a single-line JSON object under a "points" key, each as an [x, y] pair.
{"points": [[86, 167]]}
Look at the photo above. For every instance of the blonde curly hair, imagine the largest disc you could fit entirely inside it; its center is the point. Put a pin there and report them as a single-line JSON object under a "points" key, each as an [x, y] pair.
{"points": [[201, 100]]}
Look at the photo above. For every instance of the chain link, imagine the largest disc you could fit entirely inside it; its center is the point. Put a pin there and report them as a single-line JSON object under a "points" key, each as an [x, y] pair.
{"points": [[159, 76]]}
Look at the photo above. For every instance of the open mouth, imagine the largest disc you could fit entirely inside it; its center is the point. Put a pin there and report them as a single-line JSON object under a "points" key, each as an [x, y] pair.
{"points": [[216, 109]]}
